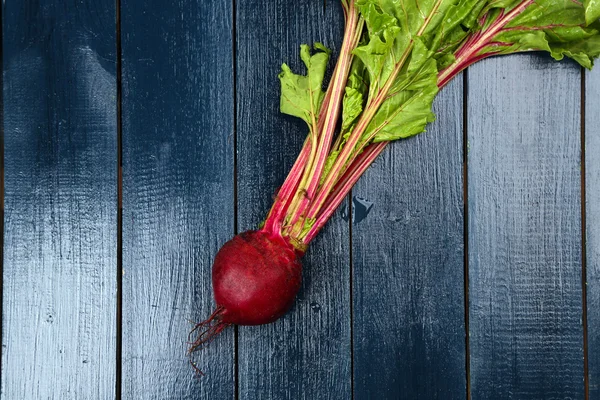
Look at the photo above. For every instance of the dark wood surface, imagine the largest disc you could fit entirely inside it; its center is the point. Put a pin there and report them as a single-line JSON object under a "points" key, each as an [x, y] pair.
{"points": [[408, 265], [524, 232], [178, 203], [60, 221], [306, 354], [592, 208], [435, 280]]}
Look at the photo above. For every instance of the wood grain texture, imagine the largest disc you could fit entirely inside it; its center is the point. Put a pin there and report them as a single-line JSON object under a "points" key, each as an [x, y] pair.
{"points": [[59, 298], [408, 264], [178, 203], [306, 354], [592, 179], [524, 197]]}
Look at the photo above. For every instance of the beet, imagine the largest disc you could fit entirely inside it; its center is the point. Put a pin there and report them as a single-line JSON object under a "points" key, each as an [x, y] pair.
{"points": [[378, 92], [256, 276]]}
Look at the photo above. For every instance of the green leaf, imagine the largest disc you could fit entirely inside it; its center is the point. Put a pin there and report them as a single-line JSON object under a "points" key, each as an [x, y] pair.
{"points": [[405, 40], [407, 43], [592, 11], [451, 25], [301, 96], [407, 109], [381, 53], [556, 26], [583, 51], [356, 90], [354, 95], [352, 107]]}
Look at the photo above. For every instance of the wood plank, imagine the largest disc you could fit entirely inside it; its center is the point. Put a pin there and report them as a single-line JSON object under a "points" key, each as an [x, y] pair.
{"points": [[61, 200], [525, 229], [178, 203], [408, 257], [592, 179], [306, 354]]}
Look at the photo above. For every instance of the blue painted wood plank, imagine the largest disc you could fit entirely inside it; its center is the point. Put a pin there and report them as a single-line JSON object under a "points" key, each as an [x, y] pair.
{"points": [[59, 300], [408, 265], [524, 195], [306, 354], [178, 202], [592, 179]]}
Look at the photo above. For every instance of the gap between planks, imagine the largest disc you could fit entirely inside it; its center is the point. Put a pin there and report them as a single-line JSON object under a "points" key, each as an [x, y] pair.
{"points": [[465, 171], [1, 196], [236, 364], [119, 317], [586, 377]]}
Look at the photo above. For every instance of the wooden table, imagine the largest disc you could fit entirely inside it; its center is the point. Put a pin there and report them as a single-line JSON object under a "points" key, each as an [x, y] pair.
{"points": [[139, 138]]}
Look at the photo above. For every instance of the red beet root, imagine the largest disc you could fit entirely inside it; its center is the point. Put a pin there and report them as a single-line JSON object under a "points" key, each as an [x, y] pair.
{"points": [[256, 276]]}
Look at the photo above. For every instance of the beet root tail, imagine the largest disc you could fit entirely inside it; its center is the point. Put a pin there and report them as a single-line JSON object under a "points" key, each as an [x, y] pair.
{"points": [[206, 330]]}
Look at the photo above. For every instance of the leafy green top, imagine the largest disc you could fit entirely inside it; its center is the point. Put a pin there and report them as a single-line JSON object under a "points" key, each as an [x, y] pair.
{"points": [[396, 56], [301, 96]]}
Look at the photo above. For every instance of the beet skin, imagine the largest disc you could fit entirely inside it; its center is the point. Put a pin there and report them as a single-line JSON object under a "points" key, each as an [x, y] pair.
{"points": [[256, 276]]}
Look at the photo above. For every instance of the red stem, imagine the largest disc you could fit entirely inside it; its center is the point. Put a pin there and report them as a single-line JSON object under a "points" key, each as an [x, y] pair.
{"points": [[362, 162], [332, 113], [467, 53], [284, 196], [343, 157], [341, 190], [287, 192]]}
